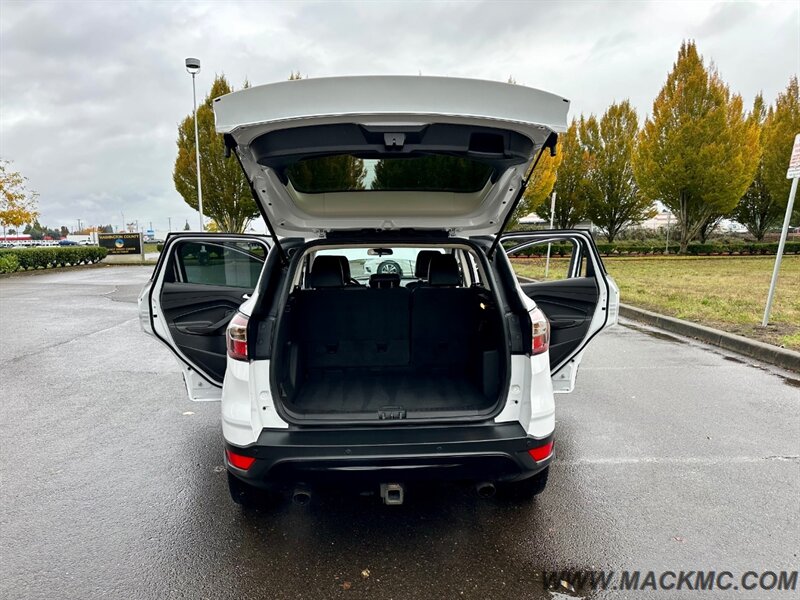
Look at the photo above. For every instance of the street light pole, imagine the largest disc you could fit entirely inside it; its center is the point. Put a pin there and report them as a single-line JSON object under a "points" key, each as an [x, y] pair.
{"points": [[193, 68], [669, 219]]}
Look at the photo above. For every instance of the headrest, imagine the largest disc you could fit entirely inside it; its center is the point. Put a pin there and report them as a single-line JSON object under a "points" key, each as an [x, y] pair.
{"points": [[326, 272], [384, 280], [345, 267], [423, 261], [443, 271]]}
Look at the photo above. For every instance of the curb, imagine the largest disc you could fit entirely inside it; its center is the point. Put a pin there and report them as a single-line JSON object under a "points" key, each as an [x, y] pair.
{"points": [[782, 357]]}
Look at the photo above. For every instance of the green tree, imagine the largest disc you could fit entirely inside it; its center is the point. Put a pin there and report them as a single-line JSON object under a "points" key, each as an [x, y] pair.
{"points": [[18, 204], [708, 226], [696, 153], [186, 227], [572, 182], [226, 193], [781, 125], [432, 172], [614, 201], [37, 231], [757, 210], [328, 174]]}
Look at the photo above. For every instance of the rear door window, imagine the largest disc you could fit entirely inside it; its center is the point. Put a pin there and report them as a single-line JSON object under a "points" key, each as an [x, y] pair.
{"points": [[548, 261], [227, 264]]}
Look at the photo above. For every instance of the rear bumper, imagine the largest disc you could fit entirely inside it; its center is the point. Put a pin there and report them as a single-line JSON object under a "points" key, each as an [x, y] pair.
{"points": [[488, 452]]}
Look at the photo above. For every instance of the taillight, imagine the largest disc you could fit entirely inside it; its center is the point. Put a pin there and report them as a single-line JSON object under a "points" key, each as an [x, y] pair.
{"points": [[236, 337], [239, 461], [541, 452], [540, 341]]}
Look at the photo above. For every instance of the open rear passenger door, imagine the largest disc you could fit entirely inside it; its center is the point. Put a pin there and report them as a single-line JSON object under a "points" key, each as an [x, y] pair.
{"points": [[562, 272], [198, 285]]}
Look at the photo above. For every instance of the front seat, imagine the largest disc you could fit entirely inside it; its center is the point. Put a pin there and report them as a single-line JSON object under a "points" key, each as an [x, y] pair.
{"points": [[326, 272], [348, 278], [421, 267]]}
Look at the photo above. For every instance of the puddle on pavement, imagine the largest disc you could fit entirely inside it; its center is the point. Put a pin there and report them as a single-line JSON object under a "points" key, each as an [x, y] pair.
{"points": [[791, 382], [735, 360], [659, 335]]}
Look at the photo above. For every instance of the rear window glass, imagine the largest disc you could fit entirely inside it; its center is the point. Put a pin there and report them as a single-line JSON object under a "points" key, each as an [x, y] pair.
{"points": [[365, 262], [347, 173]]}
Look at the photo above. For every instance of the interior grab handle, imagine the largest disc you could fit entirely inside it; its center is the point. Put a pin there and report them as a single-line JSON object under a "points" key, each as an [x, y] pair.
{"points": [[206, 328]]}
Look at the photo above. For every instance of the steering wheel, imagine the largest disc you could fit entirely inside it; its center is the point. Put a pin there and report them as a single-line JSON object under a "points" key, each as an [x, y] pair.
{"points": [[389, 267]]}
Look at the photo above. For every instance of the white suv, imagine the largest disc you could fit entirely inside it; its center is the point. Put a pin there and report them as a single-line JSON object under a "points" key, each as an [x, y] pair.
{"points": [[379, 333]]}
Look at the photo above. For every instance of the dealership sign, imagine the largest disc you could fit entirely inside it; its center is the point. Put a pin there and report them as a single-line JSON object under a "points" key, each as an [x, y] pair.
{"points": [[121, 243]]}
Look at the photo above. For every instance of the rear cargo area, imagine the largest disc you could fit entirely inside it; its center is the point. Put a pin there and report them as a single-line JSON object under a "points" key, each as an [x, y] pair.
{"points": [[370, 391], [365, 353]]}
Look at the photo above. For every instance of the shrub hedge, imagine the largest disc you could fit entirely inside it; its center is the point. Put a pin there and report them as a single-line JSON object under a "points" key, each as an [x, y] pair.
{"points": [[694, 249], [19, 259]]}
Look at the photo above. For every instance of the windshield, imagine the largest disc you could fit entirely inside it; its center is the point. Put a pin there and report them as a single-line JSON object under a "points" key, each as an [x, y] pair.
{"points": [[346, 173], [363, 264]]}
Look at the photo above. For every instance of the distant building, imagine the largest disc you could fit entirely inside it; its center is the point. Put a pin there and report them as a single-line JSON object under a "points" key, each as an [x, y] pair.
{"points": [[532, 219], [662, 220], [17, 238]]}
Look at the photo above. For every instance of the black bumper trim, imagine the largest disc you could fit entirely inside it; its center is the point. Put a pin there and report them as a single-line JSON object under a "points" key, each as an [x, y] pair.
{"points": [[492, 452]]}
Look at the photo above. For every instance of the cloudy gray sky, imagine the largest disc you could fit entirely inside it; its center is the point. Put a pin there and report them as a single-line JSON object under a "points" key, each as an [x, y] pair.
{"points": [[91, 92]]}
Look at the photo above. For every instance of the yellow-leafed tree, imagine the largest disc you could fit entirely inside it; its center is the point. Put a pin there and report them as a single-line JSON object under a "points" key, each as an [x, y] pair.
{"points": [[780, 128], [540, 184], [697, 153], [572, 185], [757, 210], [614, 201], [18, 204]]}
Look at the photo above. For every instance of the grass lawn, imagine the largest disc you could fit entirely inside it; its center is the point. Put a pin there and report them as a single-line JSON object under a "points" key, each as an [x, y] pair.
{"points": [[150, 247], [728, 293]]}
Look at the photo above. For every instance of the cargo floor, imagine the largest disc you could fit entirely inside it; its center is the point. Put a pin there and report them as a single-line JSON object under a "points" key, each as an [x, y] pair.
{"points": [[359, 391]]}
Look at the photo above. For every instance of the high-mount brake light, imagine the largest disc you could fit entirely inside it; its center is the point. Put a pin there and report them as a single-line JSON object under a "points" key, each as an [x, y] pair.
{"points": [[540, 340], [236, 337]]}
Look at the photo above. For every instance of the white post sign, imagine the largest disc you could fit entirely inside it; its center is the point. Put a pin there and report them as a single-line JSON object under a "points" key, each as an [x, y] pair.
{"points": [[793, 173], [552, 216]]}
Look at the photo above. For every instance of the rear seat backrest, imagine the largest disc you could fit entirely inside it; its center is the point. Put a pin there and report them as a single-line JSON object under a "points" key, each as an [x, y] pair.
{"points": [[443, 319], [347, 327]]}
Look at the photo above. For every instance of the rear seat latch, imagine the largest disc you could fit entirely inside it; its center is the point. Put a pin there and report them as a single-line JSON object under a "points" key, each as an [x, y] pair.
{"points": [[391, 413]]}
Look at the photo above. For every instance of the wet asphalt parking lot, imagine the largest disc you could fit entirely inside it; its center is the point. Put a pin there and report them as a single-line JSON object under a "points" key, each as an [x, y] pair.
{"points": [[671, 456]]}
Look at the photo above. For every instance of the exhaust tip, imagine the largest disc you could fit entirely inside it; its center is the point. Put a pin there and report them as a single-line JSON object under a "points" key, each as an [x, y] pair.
{"points": [[301, 496], [486, 489]]}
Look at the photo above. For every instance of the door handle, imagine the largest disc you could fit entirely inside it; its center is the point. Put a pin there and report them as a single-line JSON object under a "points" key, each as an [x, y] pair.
{"points": [[206, 328]]}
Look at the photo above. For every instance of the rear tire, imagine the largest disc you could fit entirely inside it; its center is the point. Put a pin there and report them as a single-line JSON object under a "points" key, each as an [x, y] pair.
{"points": [[527, 489]]}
